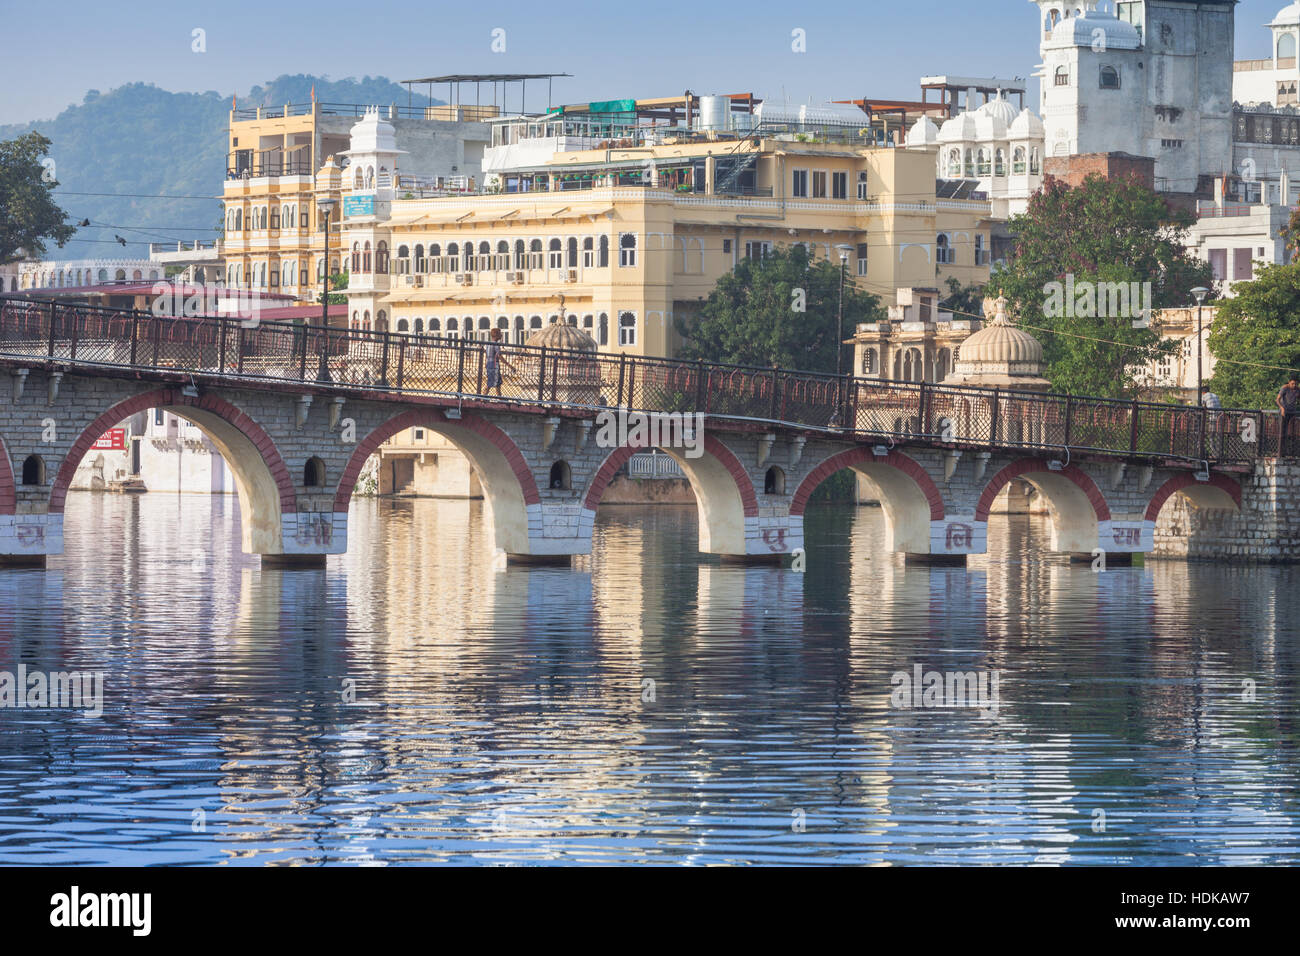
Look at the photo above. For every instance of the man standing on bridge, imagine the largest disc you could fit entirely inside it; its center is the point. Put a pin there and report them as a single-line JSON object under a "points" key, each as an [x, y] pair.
{"points": [[1288, 402], [494, 362]]}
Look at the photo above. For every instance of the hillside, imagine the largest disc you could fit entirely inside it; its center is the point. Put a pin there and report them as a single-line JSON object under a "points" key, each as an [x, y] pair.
{"points": [[142, 143]]}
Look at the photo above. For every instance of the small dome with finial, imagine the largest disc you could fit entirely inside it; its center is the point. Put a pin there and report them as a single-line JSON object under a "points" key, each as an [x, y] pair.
{"points": [[1000, 355], [561, 335]]}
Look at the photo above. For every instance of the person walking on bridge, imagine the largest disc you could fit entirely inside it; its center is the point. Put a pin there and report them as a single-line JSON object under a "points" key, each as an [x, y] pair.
{"points": [[494, 360], [1288, 402]]}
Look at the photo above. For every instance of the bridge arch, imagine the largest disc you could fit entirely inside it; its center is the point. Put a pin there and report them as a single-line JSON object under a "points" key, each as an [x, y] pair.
{"points": [[262, 481], [1076, 504], [1220, 493], [724, 494], [909, 498], [508, 483]]}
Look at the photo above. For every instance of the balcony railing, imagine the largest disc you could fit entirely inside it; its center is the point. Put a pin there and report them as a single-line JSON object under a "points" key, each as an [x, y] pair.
{"points": [[227, 351]]}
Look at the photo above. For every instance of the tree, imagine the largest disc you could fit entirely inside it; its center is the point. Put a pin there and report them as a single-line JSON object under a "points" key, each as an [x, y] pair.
{"points": [[963, 300], [1259, 325], [28, 213], [1083, 255], [781, 309], [338, 280]]}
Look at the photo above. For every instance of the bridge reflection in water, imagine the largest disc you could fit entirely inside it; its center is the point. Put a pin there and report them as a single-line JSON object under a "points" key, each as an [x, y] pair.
{"points": [[502, 712]]}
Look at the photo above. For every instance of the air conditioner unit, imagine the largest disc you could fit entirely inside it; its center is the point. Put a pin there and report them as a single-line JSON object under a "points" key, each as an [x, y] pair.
{"points": [[410, 280], [512, 278], [460, 278], [467, 278]]}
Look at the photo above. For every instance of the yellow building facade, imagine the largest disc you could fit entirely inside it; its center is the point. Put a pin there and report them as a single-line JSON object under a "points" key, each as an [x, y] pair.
{"points": [[620, 242]]}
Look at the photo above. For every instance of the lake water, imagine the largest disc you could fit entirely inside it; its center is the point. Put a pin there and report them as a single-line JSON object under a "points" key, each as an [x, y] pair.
{"points": [[417, 703]]}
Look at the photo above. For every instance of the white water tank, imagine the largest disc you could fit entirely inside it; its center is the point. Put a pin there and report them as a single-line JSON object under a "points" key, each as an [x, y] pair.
{"points": [[713, 113]]}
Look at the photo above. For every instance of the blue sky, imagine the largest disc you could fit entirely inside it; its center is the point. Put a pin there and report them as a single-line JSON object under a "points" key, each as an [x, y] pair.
{"points": [[54, 53]]}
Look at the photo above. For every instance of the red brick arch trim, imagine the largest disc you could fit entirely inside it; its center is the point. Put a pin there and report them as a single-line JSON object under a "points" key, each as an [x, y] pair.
{"points": [[1029, 466], [618, 457], [858, 456], [8, 499], [425, 418], [1179, 482], [172, 397]]}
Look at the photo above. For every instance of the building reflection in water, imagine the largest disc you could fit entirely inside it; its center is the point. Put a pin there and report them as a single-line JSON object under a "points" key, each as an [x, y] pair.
{"points": [[417, 700]]}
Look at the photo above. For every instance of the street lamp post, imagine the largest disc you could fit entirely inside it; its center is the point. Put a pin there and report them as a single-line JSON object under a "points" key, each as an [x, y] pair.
{"points": [[844, 250], [326, 206], [1199, 293]]}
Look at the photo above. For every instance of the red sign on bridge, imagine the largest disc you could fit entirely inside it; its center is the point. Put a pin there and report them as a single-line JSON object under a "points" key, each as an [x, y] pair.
{"points": [[112, 440]]}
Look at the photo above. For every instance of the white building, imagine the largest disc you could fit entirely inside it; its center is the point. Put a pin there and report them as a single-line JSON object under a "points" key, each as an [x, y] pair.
{"points": [[74, 273], [996, 145], [1274, 80], [1151, 78]]}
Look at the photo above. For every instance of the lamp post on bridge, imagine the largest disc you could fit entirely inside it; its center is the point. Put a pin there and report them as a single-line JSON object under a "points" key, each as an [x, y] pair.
{"points": [[1199, 293], [325, 205], [844, 249]]}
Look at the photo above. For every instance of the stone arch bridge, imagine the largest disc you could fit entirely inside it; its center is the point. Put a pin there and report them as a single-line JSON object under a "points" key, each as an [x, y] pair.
{"points": [[297, 411]]}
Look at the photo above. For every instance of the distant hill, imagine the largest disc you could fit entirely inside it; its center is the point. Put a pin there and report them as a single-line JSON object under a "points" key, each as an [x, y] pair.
{"points": [[150, 143]]}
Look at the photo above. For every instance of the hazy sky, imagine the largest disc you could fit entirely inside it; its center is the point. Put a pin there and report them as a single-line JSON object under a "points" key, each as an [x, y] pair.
{"points": [[54, 52]]}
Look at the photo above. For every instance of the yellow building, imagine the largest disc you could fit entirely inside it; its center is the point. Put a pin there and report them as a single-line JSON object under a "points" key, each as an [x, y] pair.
{"points": [[272, 237], [625, 237]]}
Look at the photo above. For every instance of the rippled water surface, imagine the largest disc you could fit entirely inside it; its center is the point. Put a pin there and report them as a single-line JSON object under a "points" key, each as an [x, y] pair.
{"points": [[416, 703]]}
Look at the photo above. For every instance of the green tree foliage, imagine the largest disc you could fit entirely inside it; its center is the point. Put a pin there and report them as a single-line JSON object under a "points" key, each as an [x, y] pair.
{"points": [[1102, 231], [28, 213], [1260, 325], [963, 300], [338, 282], [782, 310]]}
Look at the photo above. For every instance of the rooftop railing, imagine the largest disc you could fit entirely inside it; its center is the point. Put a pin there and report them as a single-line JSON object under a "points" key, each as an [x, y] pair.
{"points": [[212, 350]]}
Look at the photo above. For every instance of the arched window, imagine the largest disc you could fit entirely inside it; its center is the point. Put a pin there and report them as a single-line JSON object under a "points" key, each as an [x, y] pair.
{"points": [[484, 325], [435, 327], [370, 177], [1000, 162], [520, 333], [573, 252], [33, 470], [869, 361], [403, 325], [503, 323], [356, 257], [381, 258], [627, 249], [520, 261], [1018, 161], [1286, 46], [984, 166], [555, 259], [774, 481], [381, 321], [603, 261], [357, 180], [313, 473], [588, 253], [561, 476], [627, 328], [970, 164], [604, 329], [451, 329], [1035, 161], [943, 252], [535, 322], [418, 326], [365, 258], [954, 163], [1109, 78], [1062, 76], [588, 322]]}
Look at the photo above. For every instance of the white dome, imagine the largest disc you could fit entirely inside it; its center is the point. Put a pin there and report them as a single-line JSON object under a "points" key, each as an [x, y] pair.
{"points": [[961, 128], [924, 132], [1093, 26], [1026, 126], [1288, 16], [1000, 109], [373, 135]]}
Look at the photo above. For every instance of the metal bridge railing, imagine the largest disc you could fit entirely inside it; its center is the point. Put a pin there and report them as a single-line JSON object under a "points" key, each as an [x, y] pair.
{"points": [[402, 364]]}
